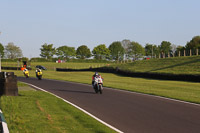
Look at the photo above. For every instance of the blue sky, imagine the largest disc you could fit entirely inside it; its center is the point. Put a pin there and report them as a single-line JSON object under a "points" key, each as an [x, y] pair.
{"points": [[31, 23]]}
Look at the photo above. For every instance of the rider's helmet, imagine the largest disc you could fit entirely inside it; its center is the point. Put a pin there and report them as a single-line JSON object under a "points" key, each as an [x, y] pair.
{"points": [[96, 74]]}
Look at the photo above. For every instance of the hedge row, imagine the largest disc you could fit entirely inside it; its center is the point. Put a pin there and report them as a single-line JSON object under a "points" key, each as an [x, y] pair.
{"points": [[37, 59], [159, 76]]}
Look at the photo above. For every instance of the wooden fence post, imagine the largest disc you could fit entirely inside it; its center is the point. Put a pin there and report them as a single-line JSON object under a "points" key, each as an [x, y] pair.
{"points": [[190, 52], [197, 52], [184, 52], [179, 53]]}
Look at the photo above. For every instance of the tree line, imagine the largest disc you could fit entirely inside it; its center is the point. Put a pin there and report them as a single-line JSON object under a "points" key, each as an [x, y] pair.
{"points": [[118, 50]]}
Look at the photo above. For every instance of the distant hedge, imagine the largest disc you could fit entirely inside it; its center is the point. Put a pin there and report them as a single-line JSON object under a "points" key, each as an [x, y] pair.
{"points": [[38, 59], [87, 61], [9, 60], [15, 60]]}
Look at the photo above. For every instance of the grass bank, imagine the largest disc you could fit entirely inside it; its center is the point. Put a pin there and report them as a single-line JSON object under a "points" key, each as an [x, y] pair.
{"points": [[36, 111], [176, 65]]}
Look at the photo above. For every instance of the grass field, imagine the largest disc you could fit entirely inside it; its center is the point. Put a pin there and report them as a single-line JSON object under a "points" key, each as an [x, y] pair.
{"points": [[53, 65], [177, 65], [39, 112]]}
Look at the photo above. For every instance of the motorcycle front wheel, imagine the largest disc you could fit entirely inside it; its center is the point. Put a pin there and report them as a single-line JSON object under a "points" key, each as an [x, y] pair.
{"points": [[100, 89], [96, 88]]}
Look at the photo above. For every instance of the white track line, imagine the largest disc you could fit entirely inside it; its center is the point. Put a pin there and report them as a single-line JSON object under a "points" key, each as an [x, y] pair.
{"points": [[4, 125], [108, 125]]}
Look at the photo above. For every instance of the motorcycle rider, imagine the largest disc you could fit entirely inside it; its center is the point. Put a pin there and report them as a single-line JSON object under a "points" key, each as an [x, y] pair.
{"points": [[96, 74], [25, 71], [38, 70]]}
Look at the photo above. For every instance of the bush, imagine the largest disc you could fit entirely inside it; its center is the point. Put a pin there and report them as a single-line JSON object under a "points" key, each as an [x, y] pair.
{"points": [[9, 60], [38, 59], [15, 60], [87, 61]]}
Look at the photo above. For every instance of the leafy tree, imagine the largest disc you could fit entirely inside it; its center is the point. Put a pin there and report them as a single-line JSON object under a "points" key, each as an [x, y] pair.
{"points": [[136, 50], [151, 49], [165, 47], [173, 48], [83, 52], [101, 52], [125, 44], [12, 51], [47, 51], [194, 43], [148, 49], [1, 50], [65, 52], [116, 51]]}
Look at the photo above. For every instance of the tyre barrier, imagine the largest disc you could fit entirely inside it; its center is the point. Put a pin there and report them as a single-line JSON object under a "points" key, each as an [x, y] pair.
{"points": [[4, 127], [159, 76], [14, 68], [8, 84]]}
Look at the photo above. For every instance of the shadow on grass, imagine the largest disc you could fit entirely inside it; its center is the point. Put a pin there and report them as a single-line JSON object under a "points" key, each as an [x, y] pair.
{"points": [[185, 63], [21, 95]]}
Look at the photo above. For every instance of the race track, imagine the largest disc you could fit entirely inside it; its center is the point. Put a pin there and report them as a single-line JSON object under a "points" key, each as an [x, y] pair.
{"points": [[126, 111]]}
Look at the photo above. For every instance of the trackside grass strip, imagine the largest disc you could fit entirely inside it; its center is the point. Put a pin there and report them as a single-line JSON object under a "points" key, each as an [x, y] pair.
{"points": [[36, 111]]}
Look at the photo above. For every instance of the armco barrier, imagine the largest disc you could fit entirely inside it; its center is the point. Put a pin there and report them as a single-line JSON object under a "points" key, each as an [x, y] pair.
{"points": [[160, 76]]}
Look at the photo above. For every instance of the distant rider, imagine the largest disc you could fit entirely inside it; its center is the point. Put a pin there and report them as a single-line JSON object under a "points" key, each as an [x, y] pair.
{"points": [[25, 70], [38, 70]]}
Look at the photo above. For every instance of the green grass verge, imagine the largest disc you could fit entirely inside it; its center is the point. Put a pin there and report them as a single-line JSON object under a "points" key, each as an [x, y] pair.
{"points": [[36, 111]]}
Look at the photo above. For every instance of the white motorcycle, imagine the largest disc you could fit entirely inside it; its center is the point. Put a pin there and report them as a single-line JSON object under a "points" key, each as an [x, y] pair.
{"points": [[98, 84]]}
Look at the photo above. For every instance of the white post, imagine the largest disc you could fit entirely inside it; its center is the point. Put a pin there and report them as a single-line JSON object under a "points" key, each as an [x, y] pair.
{"points": [[0, 58], [0, 62]]}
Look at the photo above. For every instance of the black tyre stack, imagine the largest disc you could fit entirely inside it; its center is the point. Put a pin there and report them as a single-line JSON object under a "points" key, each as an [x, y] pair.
{"points": [[8, 84]]}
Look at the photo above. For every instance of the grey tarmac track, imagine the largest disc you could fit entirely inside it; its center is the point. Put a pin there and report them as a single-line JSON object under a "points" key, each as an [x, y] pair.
{"points": [[126, 111]]}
